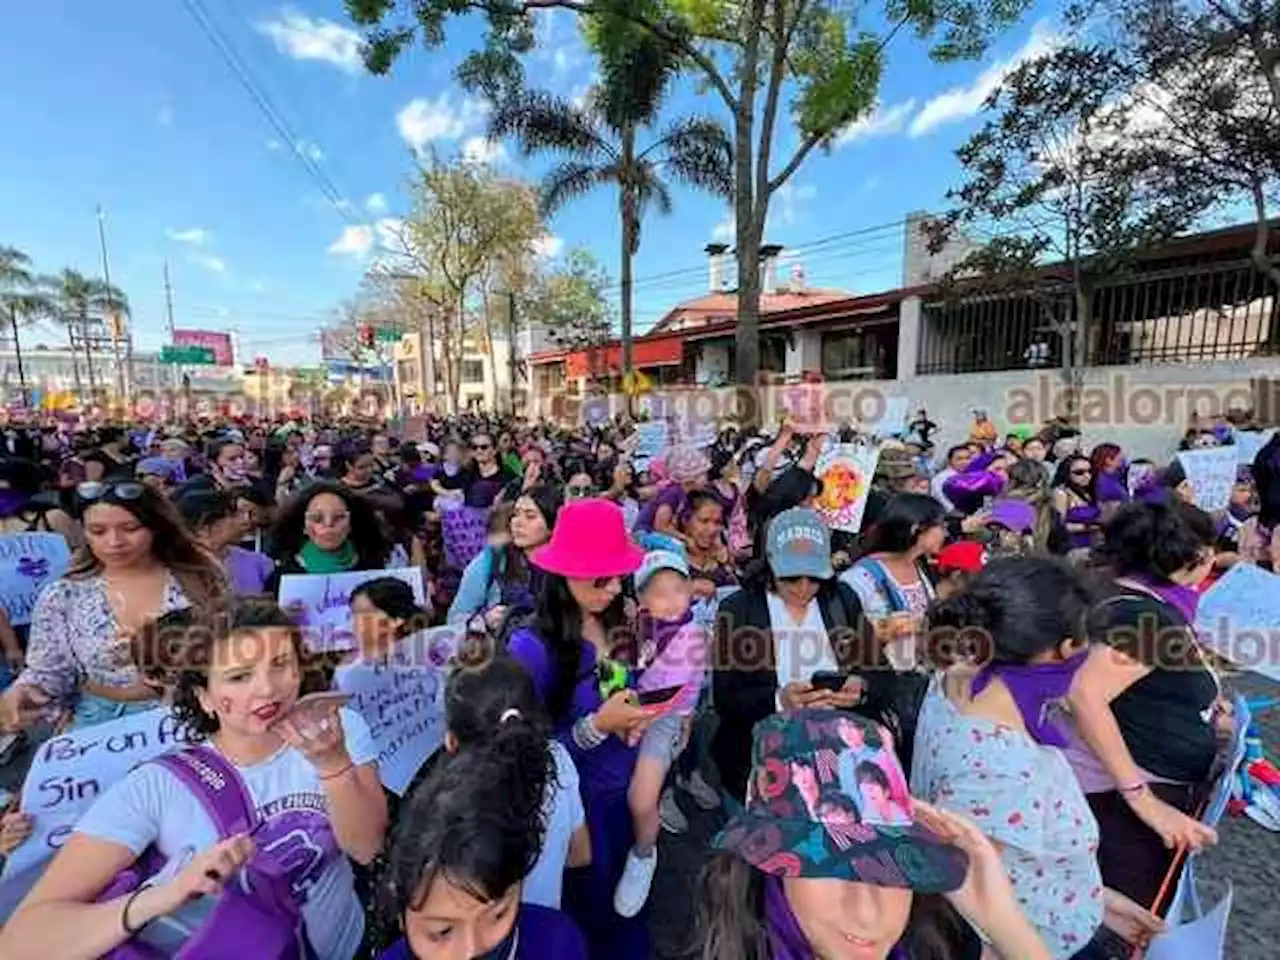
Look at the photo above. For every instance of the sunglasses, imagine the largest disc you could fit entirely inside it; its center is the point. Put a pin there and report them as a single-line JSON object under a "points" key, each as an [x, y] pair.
{"points": [[98, 489], [1081, 473], [604, 583], [799, 580], [481, 446], [578, 493]]}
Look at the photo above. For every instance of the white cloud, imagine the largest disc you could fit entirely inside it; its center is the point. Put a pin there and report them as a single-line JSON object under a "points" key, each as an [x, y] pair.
{"points": [[274, 145], [209, 262], [421, 121], [310, 150], [482, 150], [305, 38], [878, 123], [959, 103], [257, 286], [197, 236], [788, 198], [548, 246], [726, 231], [359, 240], [376, 203]]}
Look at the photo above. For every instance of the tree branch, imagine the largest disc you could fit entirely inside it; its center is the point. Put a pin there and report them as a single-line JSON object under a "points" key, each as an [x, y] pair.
{"points": [[1261, 260]]}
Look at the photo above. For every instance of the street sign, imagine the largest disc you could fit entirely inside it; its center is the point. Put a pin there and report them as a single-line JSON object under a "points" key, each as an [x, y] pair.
{"points": [[190, 355], [386, 335]]}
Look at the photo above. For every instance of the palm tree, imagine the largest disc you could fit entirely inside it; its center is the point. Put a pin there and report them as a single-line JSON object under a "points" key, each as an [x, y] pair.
{"points": [[22, 301], [80, 299], [599, 142]]}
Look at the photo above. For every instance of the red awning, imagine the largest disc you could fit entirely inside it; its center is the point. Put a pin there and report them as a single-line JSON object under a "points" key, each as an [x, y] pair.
{"points": [[599, 361]]}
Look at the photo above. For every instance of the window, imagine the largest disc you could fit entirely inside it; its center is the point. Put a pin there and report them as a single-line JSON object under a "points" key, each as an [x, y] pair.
{"points": [[773, 353], [852, 356], [473, 371]]}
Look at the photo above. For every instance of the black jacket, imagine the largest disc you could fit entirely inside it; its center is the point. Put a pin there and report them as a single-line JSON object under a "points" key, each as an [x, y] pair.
{"points": [[745, 678]]}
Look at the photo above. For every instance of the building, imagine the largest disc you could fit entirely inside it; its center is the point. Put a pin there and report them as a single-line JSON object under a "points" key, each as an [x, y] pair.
{"points": [[486, 381], [1186, 327]]}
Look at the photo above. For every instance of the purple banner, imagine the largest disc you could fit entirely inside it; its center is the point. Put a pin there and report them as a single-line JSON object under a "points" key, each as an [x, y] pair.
{"points": [[463, 530]]}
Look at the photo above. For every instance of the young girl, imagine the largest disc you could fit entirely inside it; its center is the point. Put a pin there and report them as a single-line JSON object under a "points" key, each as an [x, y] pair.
{"points": [[673, 655], [310, 778], [465, 846]]}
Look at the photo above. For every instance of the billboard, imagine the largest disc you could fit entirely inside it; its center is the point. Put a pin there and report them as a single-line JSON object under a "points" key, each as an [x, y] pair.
{"points": [[219, 343]]}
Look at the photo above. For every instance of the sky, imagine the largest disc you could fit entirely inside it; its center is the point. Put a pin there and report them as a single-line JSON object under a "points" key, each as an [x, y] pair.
{"points": [[267, 227]]}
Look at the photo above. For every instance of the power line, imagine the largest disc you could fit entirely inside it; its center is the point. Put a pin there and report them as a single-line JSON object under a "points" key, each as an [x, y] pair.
{"points": [[226, 50]]}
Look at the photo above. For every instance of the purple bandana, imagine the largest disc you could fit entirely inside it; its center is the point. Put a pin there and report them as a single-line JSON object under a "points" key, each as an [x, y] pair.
{"points": [[786, 940], [1034, 687]]}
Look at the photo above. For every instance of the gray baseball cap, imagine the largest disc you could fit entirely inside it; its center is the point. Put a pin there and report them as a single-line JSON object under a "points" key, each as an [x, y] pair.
{"points": [[799, 545]]}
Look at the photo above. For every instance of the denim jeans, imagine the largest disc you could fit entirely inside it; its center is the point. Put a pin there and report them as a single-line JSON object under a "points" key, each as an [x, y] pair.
{"points": [[91, 710]]}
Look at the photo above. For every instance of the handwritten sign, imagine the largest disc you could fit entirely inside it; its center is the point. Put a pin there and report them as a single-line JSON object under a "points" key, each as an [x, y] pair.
{"points": [[27, 562], [463, 531], [1249, 442], [403, 703], [321, 603], [845, 470], [70, 771], [1212, 472], [706, 611], [1239, 618], [654, 438]]}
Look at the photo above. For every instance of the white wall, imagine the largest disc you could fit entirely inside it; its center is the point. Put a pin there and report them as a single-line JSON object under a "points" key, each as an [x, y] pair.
{"points": [[711, 364]]}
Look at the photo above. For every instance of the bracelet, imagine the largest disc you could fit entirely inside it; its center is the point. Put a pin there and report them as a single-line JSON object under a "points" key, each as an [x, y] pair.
{"points": [[587, 735], [1135, 788], [340, 773], [124, 914]]}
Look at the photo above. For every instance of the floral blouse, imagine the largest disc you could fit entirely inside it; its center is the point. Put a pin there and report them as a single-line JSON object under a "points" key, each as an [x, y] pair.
{"points": [[1024, 797], [75, 637]]}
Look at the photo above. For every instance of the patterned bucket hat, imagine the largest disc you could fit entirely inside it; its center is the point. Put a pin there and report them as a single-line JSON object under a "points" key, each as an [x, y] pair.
{"points": [[828, 799]]}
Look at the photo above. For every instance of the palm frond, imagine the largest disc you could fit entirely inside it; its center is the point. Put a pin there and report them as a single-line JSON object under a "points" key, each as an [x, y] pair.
{"points": [[542, 123], [570, 180], [697, 151], [650, 190]]}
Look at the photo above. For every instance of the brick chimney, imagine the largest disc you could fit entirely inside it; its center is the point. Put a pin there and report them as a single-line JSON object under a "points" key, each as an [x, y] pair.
{"points": [[769, 267], [715, 266]]}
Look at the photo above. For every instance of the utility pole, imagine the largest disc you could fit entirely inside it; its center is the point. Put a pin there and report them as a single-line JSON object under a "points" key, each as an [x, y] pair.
{"points": [[511, 347], [174, 373], [124, 380]]}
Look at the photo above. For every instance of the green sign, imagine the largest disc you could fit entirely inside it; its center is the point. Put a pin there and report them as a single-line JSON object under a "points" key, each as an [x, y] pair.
{"points": [[386, 335], [191, 355]]}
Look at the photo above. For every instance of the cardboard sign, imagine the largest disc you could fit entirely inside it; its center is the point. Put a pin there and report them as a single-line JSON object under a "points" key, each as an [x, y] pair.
{"points": [[845, 470], [402, 700], [28, 561], [70, 771], [1212, 472], [1249, 442], [464, 531], [1239, 618], [320, 603]]}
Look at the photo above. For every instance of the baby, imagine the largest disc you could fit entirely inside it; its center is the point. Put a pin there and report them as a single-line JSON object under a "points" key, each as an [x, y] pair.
{"points": [[673, 657]]}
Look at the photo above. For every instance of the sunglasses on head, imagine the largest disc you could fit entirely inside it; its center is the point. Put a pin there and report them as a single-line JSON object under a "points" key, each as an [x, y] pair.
{"points": [[118, 490]]}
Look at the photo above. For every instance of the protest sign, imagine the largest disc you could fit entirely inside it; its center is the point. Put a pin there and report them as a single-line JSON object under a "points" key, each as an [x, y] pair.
{"points": [[402, 700], [654, 438], [463, 531], [1239, 618], [320, 603], [706, 611], [845, 470], [1249, 442], [27, 562], [889, 421], [1212, 472], [70, 771]]}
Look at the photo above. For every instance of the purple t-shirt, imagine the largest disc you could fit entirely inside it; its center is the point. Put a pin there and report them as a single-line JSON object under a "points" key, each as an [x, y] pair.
{"points": [[248, 571], [672, 495], [541, 934]]}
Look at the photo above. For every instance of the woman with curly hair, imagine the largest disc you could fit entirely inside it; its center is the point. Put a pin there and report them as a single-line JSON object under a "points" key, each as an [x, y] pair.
{"points": [[327, 529], [307, 773], [139, 562]]}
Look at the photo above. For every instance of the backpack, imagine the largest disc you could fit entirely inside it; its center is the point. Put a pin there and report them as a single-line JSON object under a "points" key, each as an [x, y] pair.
{"points": [[256, 915]]}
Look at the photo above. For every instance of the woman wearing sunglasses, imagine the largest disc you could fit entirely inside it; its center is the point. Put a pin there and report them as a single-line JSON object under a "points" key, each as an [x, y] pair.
{"points": [[327, 529], [579, 628], [486, 476], [790, 638], [139, 563]]}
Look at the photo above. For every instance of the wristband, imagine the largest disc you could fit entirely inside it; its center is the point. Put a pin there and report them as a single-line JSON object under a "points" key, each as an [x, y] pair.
{"points": [[1130, 790], [124, 914], [337, 773], [587, 735]]}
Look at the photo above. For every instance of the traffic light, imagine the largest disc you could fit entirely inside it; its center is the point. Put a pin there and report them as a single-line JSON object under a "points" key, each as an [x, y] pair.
{"points": [[365, 334]]}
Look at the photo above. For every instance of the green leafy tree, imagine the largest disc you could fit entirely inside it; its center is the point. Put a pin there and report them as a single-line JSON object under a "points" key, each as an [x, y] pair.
{"points": [[599, 143], [22, 301], [81, 301], [814, 63]]}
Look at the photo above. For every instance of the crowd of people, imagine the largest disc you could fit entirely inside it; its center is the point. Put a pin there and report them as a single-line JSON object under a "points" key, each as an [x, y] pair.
{"points": [[981, 725]]}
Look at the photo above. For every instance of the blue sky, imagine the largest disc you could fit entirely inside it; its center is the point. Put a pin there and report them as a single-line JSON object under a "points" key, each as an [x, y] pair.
{"points": [[130, 105]]}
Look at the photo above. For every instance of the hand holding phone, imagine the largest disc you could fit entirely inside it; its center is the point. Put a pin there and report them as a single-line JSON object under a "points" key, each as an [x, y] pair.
{"points": [[827, 680], [659, 700]]}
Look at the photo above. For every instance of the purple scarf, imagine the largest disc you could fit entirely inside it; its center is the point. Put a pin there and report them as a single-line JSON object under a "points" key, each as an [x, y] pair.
{"points": [[656, 635], [1034, 687], [1182, 598], [786, 940], [1111, 488]]}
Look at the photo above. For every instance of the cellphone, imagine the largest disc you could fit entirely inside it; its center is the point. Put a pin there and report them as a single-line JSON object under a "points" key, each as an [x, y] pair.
{"points": [[826, 680], [652, 698], [322, 699]]}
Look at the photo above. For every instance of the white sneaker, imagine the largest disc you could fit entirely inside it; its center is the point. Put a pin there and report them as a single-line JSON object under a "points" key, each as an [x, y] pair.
{"points": [[704, 795], [670, 815], [633, 887]]}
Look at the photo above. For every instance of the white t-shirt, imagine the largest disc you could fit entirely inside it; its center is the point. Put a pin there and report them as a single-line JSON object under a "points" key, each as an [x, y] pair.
{"points": [[151, 806], [563, 810], [803, 649]]}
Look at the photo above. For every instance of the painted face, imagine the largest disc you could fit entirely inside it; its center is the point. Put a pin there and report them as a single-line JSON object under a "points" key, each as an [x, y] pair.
{"points": [[253, 680], [843, 920], [528, 526], [231, 463], [116, 537], [451, 924], [328, 522]]}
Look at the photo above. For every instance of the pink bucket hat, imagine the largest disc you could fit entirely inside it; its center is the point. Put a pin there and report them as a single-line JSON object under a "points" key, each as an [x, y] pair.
{"points": [[589, 540]]}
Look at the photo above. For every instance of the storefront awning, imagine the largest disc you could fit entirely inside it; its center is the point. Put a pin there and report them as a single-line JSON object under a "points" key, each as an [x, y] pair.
{"points": [[602, 361]]}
